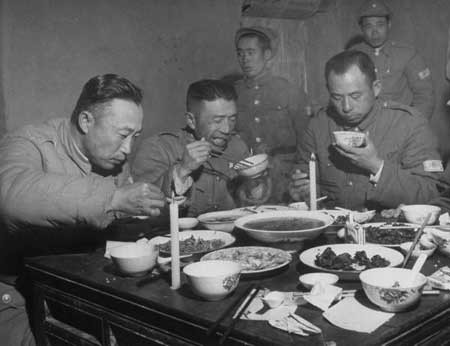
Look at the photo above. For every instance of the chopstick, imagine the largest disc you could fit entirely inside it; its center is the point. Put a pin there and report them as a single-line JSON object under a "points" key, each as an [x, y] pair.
{"points": [[221, 154], [213, 328], [237, 315], [416, 240]]}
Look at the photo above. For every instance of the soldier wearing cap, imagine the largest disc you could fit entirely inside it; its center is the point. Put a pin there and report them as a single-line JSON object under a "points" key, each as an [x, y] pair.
{"points": [[268, 105], [402, 71]]}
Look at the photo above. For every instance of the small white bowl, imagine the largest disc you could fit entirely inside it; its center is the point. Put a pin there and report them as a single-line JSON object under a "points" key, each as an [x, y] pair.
{"points": [[213, 280], [299, 206], [310, 279], [134, 259], [273, 299], [416, 213], [363, 216], [187, 222], [258, 165], [349, 138]]}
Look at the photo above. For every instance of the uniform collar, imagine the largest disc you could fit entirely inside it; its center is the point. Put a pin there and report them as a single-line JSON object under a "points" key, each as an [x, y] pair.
{"points": [[258, 81], [72, 149]]}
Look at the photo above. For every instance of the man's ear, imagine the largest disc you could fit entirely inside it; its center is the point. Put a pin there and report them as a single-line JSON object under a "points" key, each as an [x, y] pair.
{"points": [[376, 87], [268, 54], [85, 121], [190, 120]]}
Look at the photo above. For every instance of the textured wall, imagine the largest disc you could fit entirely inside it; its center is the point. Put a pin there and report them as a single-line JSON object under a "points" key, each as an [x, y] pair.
{"points": [[52, 47]]}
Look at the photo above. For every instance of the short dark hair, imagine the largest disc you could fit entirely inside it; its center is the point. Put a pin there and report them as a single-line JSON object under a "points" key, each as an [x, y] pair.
{"points": [[360, 21], [102, 89], [342, 62], [209, 90], [263, 41]]}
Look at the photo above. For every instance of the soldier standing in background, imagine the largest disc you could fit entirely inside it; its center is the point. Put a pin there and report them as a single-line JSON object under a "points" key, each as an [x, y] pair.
{"points": [[269, 106], [404, 76]]}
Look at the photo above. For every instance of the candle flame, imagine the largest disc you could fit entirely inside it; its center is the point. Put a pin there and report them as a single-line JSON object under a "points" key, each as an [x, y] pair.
{"points": [[313, 157]]}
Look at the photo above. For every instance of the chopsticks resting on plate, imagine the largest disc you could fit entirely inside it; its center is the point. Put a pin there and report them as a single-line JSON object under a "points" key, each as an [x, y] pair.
{"points": [[245, 294], [237, 315], [416, 240]]}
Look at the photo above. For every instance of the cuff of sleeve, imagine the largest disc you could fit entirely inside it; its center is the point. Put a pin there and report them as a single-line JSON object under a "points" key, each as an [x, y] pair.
{"points": [[375, 178], [181, 185]]}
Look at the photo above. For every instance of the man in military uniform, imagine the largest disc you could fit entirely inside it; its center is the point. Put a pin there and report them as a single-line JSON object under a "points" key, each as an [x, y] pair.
{"points": [[402, 71], [398, 162], [268, 105], [198, 159]]}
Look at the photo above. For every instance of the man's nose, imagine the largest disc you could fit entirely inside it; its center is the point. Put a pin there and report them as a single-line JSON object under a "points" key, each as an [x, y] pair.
{"points": [[225, 126], [127, 145], [346, 105]]}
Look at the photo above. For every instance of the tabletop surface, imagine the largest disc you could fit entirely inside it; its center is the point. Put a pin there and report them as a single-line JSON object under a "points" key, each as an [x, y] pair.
{"points": [[94, 271]]}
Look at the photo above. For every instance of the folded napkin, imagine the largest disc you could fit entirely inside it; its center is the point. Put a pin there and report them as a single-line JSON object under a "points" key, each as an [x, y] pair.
{"points": [[352, 315], [322, 295]]}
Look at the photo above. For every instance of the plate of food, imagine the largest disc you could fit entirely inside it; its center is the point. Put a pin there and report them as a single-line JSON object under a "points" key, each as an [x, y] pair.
{"points": [[348, 260], [253, 259], [390, 234], [195, 242]]}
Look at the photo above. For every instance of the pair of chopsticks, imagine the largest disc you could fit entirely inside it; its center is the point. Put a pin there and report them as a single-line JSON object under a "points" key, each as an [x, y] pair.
{"points": [[245, 300], [416, 240], [221, 155]]}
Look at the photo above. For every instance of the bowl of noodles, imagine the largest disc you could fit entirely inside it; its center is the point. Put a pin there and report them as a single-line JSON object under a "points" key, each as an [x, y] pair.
{"points": [[284, 226]]}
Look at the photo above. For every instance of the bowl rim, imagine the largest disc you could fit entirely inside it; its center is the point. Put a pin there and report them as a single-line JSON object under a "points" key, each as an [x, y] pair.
{"points": [[235, 268], [334, 278], [152, 251], [434, 208], [366, 272], [243, 168]]}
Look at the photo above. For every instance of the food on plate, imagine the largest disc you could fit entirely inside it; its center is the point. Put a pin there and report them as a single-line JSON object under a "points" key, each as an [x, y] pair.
{"points": [[388, 234], [220, 219], [340, 220], [345, 261], [440, 278], [194, 245], [252, 258], [284, 224]]}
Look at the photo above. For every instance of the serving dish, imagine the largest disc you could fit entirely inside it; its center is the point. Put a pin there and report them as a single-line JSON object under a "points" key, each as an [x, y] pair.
{"points": [[401, 228], [308, 257], [222, 220], [206, 235], [253, 259], [284, 226]]}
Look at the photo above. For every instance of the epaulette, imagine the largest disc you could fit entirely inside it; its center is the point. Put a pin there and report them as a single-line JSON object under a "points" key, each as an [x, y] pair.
{"points": [[389, 104]]}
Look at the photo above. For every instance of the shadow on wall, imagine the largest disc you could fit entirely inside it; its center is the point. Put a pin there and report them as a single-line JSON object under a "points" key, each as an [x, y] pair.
{"points": [[353, 41]]}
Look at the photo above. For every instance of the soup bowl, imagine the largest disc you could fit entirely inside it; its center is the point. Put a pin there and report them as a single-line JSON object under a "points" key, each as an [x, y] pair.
{"points": [[284, 226]]}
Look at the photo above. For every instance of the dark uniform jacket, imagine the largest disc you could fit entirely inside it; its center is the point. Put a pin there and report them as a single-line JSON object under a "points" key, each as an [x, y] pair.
{"points": [[404, 75], [270, 118], [157, 156], [403, 140]]}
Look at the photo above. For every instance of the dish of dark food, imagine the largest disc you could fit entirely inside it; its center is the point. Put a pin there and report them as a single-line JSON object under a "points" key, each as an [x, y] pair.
{"points": [[345, 261], [348, 260], [194, 245], [390, 234], [284, 224], [253, 259]]}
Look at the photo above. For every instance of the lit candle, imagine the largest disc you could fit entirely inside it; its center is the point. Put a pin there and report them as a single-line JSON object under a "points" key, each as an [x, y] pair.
{"points": [[312, 183], [174, 244]]}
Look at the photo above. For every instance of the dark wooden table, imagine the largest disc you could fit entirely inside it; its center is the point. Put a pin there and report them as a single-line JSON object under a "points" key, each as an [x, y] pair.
{"points": [[79, 299]]}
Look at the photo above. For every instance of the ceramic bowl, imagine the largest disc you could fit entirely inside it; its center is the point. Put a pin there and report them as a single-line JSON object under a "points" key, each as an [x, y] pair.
{"points": [[258, 165], [187, 222], [221, 220], [349, 138], [363, 216], [310, 279], [416, 213], [273, 299], [213, 280], [379, 284], [299, 206], [134, 259]]}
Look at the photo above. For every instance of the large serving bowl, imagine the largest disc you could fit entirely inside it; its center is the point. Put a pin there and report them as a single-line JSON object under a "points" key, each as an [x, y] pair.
{"points": [[222, 220], [379, 286], [253, 166], [416, 213], [213, 280], [134, 259], [284, 226]]}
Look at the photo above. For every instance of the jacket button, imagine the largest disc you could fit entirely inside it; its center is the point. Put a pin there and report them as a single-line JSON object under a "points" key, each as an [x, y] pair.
{"points": [[6, 298], [256, 86], [258, 139], [217, 178], [256, 102], [257, 120], [350, 183]]}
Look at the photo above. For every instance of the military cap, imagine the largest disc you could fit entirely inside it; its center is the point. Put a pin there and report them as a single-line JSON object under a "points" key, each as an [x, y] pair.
{"points": [[261, 31], [374, 8]]}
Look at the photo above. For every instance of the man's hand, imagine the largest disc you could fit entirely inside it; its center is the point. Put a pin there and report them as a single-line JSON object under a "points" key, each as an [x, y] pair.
{"points": [[299, 186], [364, 157], [195, 154], [138, 199]]}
